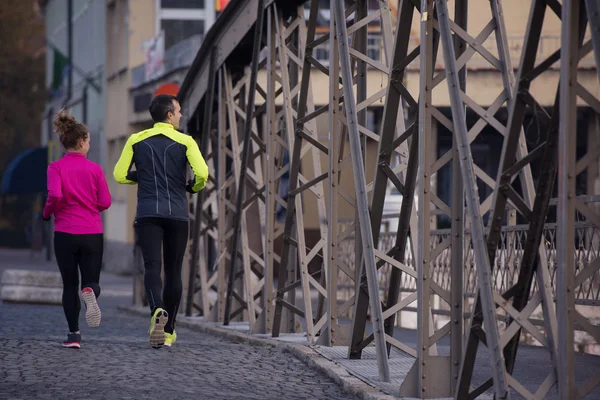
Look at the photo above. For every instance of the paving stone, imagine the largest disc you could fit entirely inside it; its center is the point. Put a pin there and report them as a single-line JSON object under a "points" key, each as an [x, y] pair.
{"points": [[116, 362]]}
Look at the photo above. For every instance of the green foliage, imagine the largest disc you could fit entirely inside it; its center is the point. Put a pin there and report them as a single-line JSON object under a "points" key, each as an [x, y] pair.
{"points": [[22, 77], [22, 102]]}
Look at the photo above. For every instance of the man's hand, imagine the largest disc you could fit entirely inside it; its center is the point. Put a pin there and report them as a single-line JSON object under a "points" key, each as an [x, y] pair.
{"points": [[45, 219], [132, 176], [189, 186]]}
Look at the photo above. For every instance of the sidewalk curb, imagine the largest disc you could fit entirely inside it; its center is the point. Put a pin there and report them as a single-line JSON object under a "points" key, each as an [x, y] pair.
{"points": [[340, 375]]}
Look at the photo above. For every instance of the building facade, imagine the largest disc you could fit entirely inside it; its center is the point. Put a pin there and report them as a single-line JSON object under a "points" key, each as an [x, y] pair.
{"points": [[83, 43], [150, 45], [75, 73]]}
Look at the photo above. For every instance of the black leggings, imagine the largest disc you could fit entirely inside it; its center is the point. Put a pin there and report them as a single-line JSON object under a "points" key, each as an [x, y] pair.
{"points": [[76, 253], [172, 236]]}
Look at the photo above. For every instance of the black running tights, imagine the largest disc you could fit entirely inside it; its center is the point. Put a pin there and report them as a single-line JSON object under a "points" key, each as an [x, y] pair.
{"points": [[170, 236], [75, 253]]}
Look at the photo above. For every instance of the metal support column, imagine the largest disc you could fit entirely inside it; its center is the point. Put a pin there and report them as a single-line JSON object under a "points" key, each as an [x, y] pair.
{"points": [[303, 184], [396, 52], [473, 206], [361, 194], [282, 83], [225, 191], [571, 277], [515, 160], [195, 267], [566, 210], [457, 320], [430, 374], [237, 222], [272, 130]]}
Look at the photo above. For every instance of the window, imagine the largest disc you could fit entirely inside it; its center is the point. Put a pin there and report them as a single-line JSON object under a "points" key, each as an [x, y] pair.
{"points": [[181, 19], [374, 43], [322, 53], [178, 30], [182, 3]]}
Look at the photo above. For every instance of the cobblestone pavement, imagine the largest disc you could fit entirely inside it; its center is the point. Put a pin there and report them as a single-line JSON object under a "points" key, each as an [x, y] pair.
{"points": [[116, 362]]}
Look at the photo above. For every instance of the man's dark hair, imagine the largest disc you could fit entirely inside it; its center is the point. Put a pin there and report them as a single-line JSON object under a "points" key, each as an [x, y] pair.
{"points": [[161, 105]]}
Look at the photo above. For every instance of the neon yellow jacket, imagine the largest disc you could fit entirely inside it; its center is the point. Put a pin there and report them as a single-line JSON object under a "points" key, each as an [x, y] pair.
{"points": [[161, 155]]}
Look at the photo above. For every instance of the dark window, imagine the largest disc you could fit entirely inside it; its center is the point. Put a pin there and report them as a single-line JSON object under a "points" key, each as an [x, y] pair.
{"points": [[177, 30], [141, 102], [182, 3]]}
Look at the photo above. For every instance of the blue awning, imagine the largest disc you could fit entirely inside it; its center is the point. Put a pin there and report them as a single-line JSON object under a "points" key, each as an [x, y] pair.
{"points": [[26, 173]]}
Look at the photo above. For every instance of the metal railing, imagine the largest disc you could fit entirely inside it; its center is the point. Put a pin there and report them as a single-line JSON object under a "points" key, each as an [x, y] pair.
{"points": [[506, 267]]}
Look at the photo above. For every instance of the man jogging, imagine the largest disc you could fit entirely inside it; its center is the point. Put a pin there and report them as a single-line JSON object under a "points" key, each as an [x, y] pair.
{"points": [[161, 155]]}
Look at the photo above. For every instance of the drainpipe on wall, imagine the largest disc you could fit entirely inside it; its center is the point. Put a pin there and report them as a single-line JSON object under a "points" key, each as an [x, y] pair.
{"points": [[50, 226], [69, 50], [51, 151]]}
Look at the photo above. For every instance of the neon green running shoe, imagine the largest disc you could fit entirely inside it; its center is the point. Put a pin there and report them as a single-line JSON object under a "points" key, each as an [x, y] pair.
{"points": [[157, 328], [170, 338]]}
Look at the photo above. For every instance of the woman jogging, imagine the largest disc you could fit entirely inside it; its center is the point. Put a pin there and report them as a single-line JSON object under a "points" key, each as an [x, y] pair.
{"points": [[77, 193]]}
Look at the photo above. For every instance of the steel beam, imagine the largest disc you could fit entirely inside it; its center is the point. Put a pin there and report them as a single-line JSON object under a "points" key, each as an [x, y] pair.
{"points": [[472, 200], [225, 192], [237, 221], [457, 320], [272, 130], [385, 172], [430, 375], [250, 278], [360, 73], [393, 118], [199, 208], [361, 194], [514, 148], [566, 201], [290, 125], [294, 243], [282, 69], [568, 276], [424, 384], [543, 192], [329, 335]]}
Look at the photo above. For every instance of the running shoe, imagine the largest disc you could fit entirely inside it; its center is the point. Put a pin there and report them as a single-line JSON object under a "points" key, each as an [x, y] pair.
{"points": [[92, 313], [157, 328], [73, 341], [170, 338]]}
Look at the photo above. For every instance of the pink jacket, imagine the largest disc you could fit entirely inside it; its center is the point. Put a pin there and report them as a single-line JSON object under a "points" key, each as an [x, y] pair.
{"points": [[77, 193]]}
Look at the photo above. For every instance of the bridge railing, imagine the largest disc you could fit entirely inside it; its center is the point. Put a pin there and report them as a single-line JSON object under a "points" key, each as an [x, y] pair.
{"points": [[506, 266]]}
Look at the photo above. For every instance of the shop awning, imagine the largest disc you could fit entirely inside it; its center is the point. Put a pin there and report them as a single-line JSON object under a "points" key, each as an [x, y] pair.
{"points": [[26, 173]]}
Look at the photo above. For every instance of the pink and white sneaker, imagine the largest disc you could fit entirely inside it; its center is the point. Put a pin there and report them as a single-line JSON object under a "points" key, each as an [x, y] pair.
{"points": [[73, 341], [92, 313]]}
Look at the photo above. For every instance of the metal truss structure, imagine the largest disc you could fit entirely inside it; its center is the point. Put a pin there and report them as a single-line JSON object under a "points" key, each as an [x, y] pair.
{"points": [[258, 125]]}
